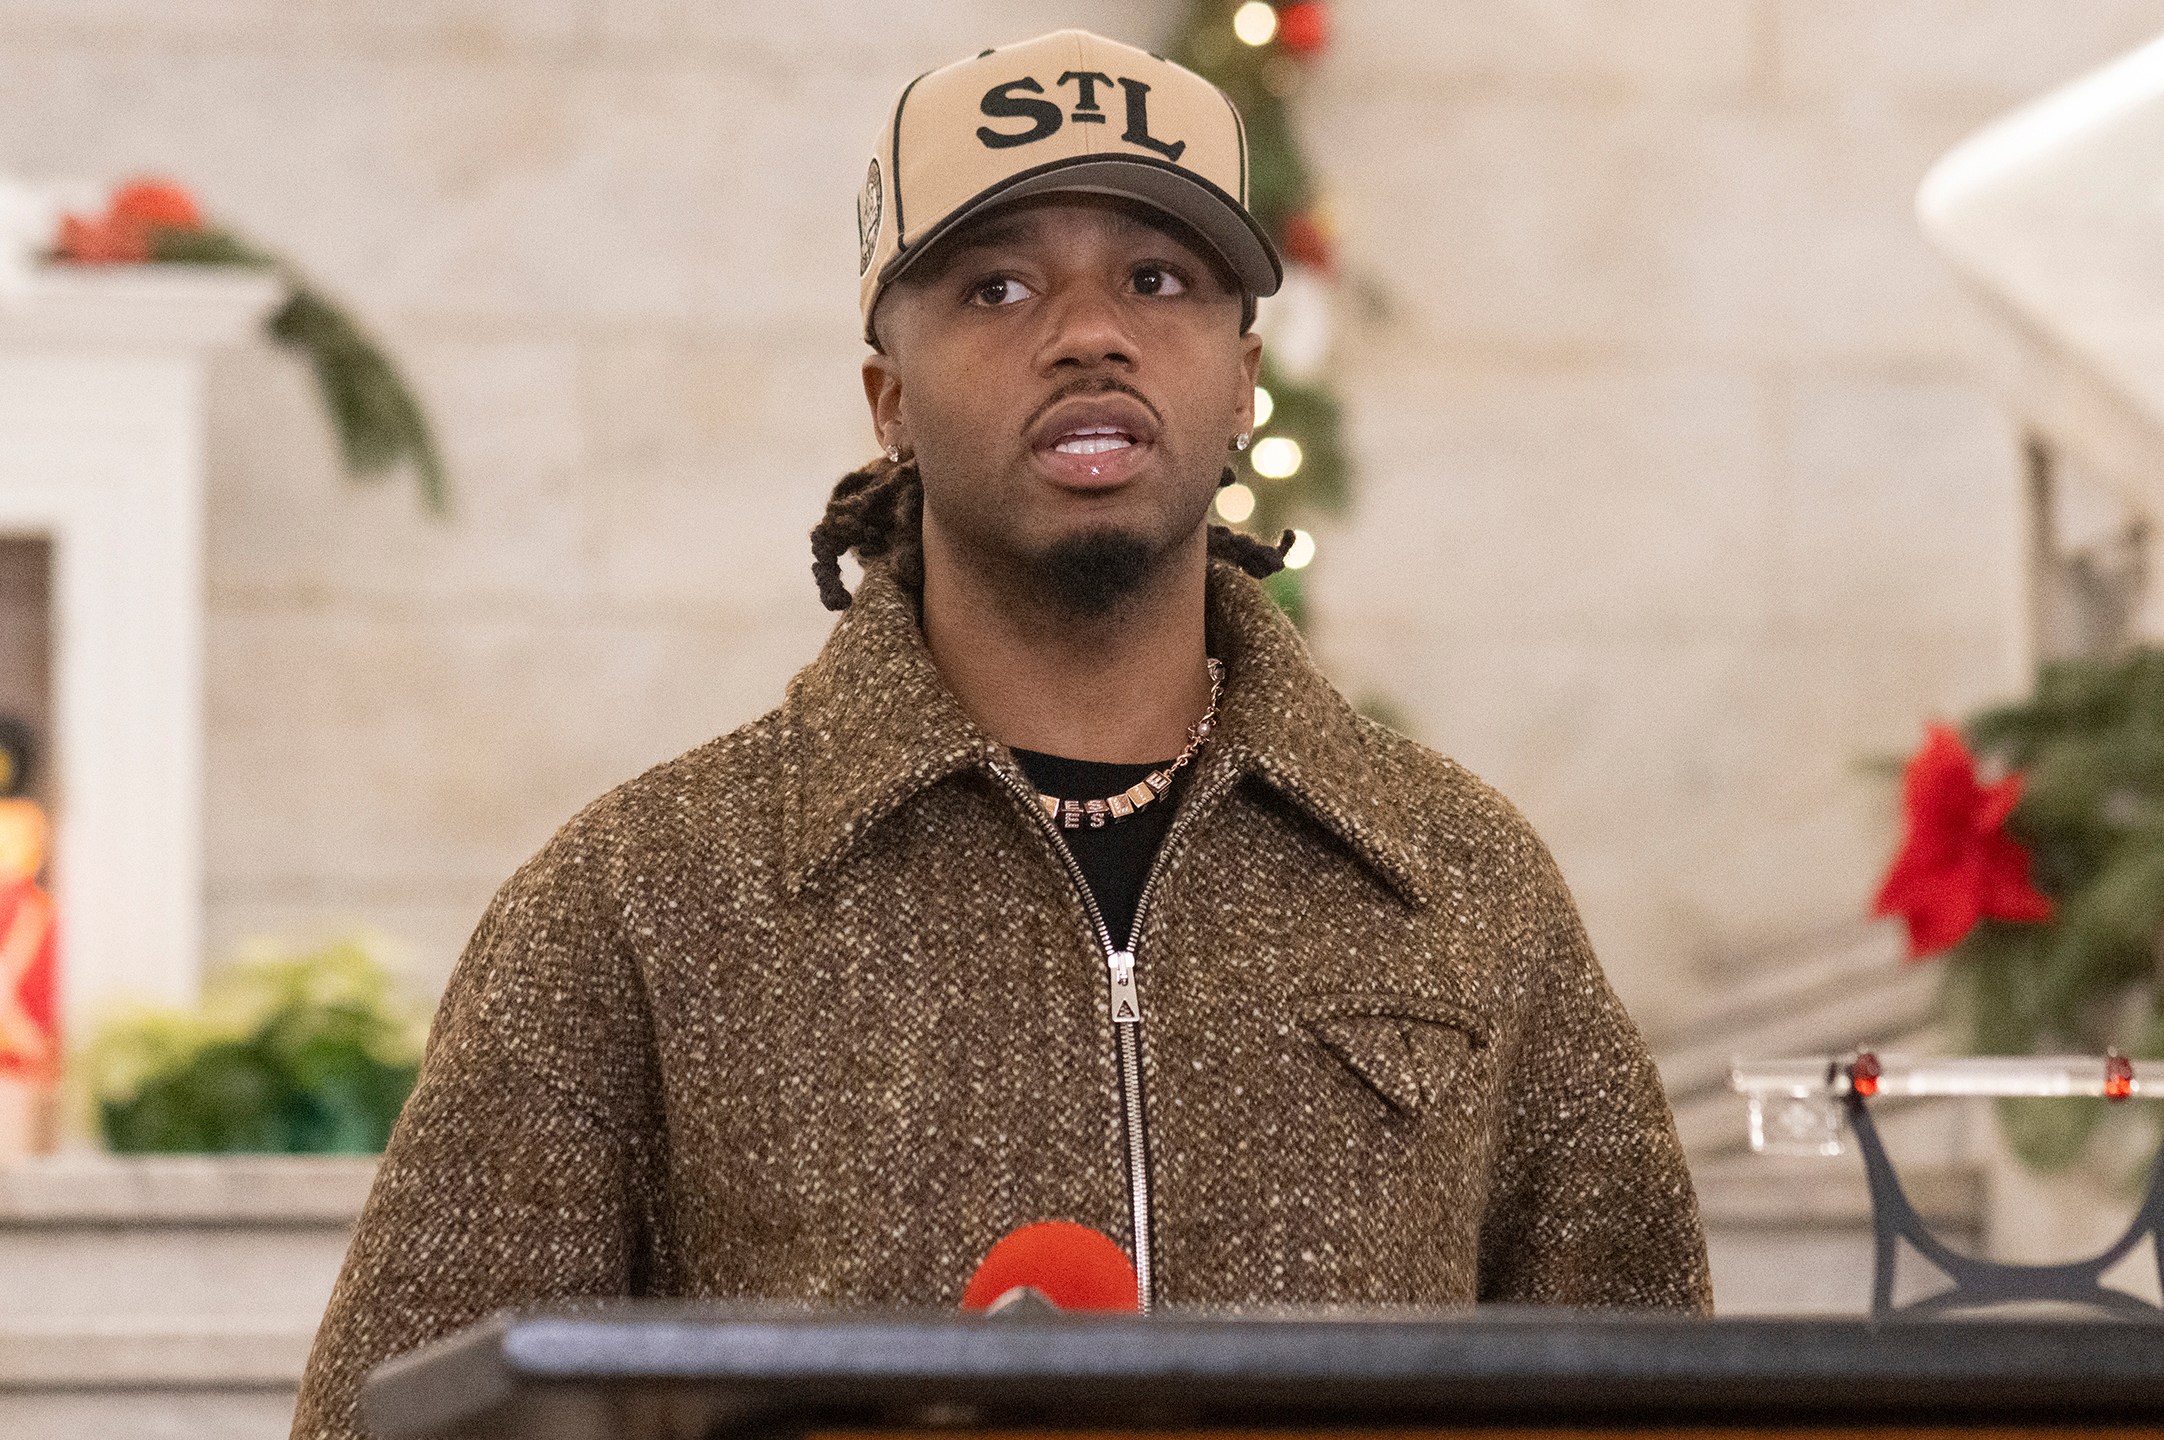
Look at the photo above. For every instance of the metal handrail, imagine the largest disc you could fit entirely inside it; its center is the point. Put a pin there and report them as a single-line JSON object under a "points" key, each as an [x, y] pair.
{"points": [[2108, 1076], [1802, 1106]]}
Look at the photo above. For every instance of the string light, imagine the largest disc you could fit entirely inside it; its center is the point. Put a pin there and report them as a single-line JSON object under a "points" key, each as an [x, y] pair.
{"points": [[1277, 457], [1255, 22], [1265, 407], [1235, 503], [1302, 551]]}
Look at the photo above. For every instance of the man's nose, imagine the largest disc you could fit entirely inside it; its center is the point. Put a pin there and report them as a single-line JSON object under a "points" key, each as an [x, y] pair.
{"points": [[1089, 327]]}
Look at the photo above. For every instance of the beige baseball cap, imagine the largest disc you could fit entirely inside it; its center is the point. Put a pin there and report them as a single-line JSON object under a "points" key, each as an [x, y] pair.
{"points": [[1065, 113]]}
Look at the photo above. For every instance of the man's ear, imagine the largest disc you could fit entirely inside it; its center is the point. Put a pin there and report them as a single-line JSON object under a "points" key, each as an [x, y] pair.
{"points": [[883, 393], [1251, 372]]}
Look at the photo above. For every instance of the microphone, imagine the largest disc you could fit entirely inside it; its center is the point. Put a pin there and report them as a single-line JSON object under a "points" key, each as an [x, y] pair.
{"points": [[1054, 1263]]}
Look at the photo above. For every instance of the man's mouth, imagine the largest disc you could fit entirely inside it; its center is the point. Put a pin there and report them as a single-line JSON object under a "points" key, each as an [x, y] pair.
{"points": [[1095, 442], [1092, 440]]}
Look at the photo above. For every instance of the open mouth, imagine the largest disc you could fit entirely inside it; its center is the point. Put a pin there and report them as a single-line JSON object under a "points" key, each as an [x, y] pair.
{"points": [[1092, 440], [1097, 442]]}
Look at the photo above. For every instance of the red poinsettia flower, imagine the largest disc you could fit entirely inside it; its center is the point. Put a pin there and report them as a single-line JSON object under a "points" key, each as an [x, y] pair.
{"points": [[1957, 864], [123, 234]]}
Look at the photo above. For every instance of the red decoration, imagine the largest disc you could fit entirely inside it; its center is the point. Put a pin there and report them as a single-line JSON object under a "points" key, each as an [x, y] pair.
{"points": [[1073, 1266], [123, 234], [156, 202], [2118, 1077], [1307, 242], [29, 1036], [29, 1042], [1303, 27], [1864, 1073], [1957, 864], [101, 242]]}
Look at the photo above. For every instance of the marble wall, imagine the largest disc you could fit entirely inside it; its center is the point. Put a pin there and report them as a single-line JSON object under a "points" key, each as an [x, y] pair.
{"points": [[1677, 498]]}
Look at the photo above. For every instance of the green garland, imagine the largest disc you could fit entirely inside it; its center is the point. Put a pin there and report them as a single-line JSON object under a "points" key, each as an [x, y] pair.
{"points": [[2090, 746], [380, 424]]}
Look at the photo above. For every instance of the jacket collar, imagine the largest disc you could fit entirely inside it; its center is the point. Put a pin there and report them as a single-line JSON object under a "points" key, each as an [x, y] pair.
{"points": [[871, 722], [1284, 723]]}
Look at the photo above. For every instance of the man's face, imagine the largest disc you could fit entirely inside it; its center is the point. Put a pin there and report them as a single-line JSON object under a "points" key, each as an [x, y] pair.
{"points": [[1068, 375]]}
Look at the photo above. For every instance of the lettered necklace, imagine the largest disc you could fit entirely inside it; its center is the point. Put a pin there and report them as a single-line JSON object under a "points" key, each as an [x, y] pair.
{"points": [[1073, 814]]}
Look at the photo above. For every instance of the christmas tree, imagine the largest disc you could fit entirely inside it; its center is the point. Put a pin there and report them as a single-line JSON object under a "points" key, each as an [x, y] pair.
{"points": [[1259, 55]]}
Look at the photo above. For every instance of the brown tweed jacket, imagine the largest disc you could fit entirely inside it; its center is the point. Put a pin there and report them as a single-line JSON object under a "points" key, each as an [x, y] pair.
{"points": [[814, 1012]]}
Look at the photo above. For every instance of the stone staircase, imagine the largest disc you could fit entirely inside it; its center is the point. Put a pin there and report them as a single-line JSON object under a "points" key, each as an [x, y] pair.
{"points": [[165, 1298], [1793, 1236], [1839, 992]]}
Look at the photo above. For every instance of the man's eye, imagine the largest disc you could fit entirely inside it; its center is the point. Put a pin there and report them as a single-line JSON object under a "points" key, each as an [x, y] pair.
{"points": [[1004, 290], [1157, 280]]}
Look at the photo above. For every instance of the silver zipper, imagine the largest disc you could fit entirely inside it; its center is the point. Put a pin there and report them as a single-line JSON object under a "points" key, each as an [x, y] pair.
{"points": [[1126, 1027], [1125, 1004]]}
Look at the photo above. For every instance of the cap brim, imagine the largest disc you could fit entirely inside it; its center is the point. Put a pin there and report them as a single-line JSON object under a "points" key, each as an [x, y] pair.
{"points": [[1219, 220]]}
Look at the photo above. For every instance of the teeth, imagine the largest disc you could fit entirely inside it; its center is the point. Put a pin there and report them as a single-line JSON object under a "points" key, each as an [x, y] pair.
{"points": [[1092, 442]]}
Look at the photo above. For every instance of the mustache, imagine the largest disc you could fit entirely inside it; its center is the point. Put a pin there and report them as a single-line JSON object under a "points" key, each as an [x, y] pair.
{"points": [[1094, 385]]}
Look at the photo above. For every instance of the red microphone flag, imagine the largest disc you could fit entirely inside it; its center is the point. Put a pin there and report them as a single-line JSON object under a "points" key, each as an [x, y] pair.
{"points": [[1073, 1266]]}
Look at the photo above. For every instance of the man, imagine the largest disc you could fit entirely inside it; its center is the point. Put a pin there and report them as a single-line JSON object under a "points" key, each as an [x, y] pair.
{"points": [[1062, 886]]}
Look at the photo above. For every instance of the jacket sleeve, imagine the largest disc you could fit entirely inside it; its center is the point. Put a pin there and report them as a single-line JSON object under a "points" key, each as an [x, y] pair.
{"points": [[1591, 1203], [523, 1166]]}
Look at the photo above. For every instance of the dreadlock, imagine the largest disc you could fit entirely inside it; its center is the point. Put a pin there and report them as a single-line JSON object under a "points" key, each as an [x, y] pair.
{"points": [[879, 511], [1257, 559]]}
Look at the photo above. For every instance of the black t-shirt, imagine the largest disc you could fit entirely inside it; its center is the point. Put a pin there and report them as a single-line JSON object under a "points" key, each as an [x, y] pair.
{"points": [[1115, 858]]}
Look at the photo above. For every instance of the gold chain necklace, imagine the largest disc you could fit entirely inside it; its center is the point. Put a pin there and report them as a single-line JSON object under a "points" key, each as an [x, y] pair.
{"points": [[1071, 814]]}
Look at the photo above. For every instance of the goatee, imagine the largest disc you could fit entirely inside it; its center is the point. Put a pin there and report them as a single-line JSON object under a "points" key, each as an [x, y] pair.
{"points": [[1089, 576]]}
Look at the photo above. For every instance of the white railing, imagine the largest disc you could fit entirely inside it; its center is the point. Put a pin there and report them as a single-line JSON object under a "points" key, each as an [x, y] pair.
{"points": [[1797, 1106]]}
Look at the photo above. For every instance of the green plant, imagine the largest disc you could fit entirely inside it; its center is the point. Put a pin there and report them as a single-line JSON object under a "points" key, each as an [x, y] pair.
{"points": [[2089, 744], [303, 1054]]}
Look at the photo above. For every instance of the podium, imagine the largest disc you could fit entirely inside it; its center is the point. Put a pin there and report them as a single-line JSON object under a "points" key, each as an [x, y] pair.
{"points": [[672, 1370]]}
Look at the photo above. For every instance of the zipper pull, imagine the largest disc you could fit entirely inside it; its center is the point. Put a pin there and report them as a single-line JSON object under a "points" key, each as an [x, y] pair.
{"points": [[1126, 1004]]}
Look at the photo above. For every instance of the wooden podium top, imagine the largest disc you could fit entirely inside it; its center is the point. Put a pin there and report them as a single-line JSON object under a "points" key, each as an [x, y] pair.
{"points": [[669, 1370]]}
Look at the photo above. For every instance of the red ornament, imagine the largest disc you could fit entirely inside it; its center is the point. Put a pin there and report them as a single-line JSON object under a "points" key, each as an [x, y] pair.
{"points": [[1073, 1266], [123, 234], [2118, 1077], [1864, 1073], [1303, 27], [1957, 864], [1306, 242]]}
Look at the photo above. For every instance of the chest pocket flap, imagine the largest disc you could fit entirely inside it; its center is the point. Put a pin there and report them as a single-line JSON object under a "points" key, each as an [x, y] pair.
{"points": [[1407, 1048]]}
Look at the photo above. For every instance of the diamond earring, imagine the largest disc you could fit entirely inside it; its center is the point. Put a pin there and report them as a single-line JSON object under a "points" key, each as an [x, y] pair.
{"points": [[894, 453], [1239, 441]]}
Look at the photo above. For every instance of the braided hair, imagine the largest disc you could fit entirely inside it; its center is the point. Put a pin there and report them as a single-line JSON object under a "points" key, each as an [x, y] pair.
{"points": [[875, 511], [879, 511]]}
